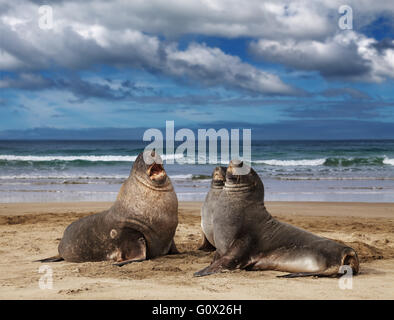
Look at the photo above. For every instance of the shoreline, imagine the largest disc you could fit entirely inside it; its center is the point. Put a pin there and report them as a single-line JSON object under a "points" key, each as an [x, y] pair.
{"points": [[309, 208], [32, 231]]}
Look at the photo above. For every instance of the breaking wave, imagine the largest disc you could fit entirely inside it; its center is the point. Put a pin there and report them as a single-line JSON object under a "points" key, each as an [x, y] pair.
{"points": [[92, 159], [334, 162]]}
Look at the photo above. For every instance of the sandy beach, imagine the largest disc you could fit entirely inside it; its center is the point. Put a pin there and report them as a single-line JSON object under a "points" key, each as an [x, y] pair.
{"points": [[31, 231]]}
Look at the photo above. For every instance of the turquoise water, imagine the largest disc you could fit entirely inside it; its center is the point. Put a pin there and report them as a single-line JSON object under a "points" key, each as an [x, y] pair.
{"points": [[291, 170]]}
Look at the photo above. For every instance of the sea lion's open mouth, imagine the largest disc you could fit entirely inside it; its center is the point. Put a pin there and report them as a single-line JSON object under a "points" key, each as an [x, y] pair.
{"points": [[156, 172], [218, 180]]}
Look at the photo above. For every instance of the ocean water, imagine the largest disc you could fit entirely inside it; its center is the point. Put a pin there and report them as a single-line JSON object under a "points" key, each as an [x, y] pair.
{"points": [[43, 171]]}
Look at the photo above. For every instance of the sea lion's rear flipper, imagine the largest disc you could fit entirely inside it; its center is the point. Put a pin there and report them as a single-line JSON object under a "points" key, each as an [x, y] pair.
{"points": [[304, 274], [349, 259], [134, 251], [51, 259], [173, 248], [235, 257], [206, 245]]}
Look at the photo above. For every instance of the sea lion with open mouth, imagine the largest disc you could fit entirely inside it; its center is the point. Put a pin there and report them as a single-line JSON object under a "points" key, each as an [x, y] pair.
{"points": [[210, 203], [247, 237], [140, 225]]}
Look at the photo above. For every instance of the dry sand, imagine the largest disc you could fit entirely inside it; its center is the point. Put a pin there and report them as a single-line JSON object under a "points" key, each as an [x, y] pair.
{"points": [[32, 231]]}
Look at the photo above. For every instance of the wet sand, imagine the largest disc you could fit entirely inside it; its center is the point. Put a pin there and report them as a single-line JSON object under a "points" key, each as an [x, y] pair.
{"points": [[31, 231]]}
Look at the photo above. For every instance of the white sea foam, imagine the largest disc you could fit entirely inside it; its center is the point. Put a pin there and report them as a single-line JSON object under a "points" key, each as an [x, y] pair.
{"points": [[304, 162], [67, 158], [182, 176], [332, 178], [37, 176], [80, 177], [92, 158], [388, 161]]}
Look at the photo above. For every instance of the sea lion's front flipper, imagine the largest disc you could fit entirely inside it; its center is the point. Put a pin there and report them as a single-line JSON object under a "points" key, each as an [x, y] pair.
{"points": [[232, 259], [211, 269], [173, 248], [206, 245], [122, 263], [133, 251], [51, 259]]}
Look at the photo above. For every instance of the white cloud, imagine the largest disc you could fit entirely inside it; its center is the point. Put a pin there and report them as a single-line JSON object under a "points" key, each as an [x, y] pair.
{"points": [[301, 19], [230, 18], [79, 45], [213, 66], [348, 54], [8, 61], [300, 34]]}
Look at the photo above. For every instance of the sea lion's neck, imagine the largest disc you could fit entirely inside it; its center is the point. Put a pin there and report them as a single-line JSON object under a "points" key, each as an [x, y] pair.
{"points": [[243, 190], [148, 211], [135, 189], [238, 189], [247, 194]]}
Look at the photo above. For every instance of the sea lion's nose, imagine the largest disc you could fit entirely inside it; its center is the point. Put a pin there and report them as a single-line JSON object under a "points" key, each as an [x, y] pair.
{"points": [[236, 163]]}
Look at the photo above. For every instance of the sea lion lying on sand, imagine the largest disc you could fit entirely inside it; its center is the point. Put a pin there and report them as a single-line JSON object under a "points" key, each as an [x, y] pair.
{"points": [[140, 225], [247, 237]]}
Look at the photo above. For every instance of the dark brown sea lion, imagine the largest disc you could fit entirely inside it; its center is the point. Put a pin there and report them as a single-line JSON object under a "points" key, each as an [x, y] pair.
{"points": [[140, 225], [217, 184], [247, 237]]}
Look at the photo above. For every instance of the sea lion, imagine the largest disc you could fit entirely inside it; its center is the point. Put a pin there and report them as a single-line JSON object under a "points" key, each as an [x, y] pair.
{"points": [[247, 237], [140, 224], [217, 183]]}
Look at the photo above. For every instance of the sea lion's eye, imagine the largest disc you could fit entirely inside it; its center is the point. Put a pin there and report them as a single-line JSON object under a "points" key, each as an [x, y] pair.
{"points": [[113, 233]]}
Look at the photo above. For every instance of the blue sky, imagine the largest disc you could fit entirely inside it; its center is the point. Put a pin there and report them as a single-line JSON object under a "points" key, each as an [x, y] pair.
{"points": [[284, 68]]}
